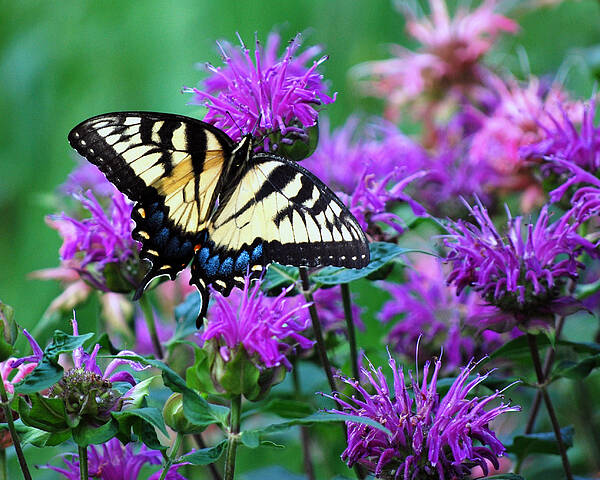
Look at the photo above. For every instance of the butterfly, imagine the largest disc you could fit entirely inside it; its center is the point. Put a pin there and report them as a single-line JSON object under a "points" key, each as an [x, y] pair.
{"points": [[201, 197]]}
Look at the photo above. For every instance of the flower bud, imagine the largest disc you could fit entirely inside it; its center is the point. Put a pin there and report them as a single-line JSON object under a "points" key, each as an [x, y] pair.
{"points": [[8, 331], [175, 417]]}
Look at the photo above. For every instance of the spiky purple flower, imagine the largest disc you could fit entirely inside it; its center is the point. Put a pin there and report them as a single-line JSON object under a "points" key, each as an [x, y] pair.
{"points": [[260, 91], [522, 271], [266, 327], [425, 309], [115, 461], [429, 438]]}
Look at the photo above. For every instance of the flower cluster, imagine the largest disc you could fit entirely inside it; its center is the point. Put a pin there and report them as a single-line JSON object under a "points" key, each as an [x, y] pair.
{"points": [[263, 94], [115, 461], [258, 324], [427, 436], [523, 271]]}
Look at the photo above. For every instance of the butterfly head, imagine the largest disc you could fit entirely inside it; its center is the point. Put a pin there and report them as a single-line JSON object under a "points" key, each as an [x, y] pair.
{"points": [[243, 151]]}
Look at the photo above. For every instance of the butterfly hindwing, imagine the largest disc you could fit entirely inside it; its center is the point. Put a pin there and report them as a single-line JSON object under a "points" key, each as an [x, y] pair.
{"points": [[276, 211], [171, 165]]}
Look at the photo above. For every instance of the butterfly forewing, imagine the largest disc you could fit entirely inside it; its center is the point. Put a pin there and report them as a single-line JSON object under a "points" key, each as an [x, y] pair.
{"points": [[280, 212], [171, 166]]}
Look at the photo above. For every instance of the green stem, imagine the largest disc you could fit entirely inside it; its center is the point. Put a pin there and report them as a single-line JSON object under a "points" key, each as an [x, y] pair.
{"points": [[172, 456], [316, 324], [13, 432], [535, 356], [233, 436], [149, 317], [304, 431], [351, 330], [548, 361], [3, 472], [83, 463]]}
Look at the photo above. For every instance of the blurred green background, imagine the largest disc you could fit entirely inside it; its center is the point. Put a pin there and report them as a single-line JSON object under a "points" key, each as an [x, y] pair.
{"points": [[61, 62]]}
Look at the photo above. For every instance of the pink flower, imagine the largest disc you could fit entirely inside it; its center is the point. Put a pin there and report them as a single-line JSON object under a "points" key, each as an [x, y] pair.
{"points": [[452, 48]]}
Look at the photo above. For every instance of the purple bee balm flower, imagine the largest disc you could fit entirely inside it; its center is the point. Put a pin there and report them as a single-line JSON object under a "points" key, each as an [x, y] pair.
{"points": [[90, 244], [115, 461], [425, 308], [522, 272], [429, 437], [258, 91], [87, 176], [266, 327]]}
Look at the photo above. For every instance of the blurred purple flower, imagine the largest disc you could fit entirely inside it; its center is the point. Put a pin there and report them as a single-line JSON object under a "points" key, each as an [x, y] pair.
{"points": [[102, 239], [87, 176], [263, 91], [523, 271], [428, 437], [266, 327], [115, 461], [328, 302], [448, 63], [433, 315]]}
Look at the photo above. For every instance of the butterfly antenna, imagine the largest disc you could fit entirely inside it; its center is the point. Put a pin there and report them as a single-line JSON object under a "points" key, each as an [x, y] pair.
{"points": [[228, 113]]}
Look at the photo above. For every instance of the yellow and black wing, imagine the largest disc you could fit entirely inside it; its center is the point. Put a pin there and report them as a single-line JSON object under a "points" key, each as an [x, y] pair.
{"points": [[276, 211], [172, 166]]}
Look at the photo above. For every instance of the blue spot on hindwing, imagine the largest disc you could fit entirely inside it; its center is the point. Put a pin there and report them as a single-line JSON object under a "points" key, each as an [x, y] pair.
{"points": [[161, 237], [257, 252], [226, 267], [212, 266], [203, 255], [241, 264]]}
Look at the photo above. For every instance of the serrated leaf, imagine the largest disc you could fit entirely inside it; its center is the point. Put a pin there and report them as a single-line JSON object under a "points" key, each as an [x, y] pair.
{"points": [[381, 254], [535, 443], [205, 456]]}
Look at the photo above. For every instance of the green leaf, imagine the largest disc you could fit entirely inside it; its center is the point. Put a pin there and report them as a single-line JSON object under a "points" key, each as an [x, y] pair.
{"points": [[576, 370], [240, 375], [40, 438], [287, 408], [139, 393], [198, 375], [205, 456], [250, 438], [517, 348], [320, 417], [505, 476], [47, 414], [85, 434], [279, 277], [186, 314], [381, 254], [584, 291], [151, 415], [48, 371], [197, 410], [535, 443]]}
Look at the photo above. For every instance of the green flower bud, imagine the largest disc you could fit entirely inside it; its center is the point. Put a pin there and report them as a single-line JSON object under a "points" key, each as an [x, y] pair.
{"points": [[8, 331], [175, 417]]}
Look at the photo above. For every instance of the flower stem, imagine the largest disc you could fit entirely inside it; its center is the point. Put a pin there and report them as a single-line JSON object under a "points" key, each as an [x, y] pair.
{"points": [[13, 432], [211, 466], [3, 472], [149, 317], [351, 330], [304, 431], [535, 356], [233, 435], [83, 463], [316, 324], [172, 456], [548, 361]]}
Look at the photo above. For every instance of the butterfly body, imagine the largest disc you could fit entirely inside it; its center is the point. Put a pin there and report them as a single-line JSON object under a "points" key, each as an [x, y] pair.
{"points": [[203, 198]]}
